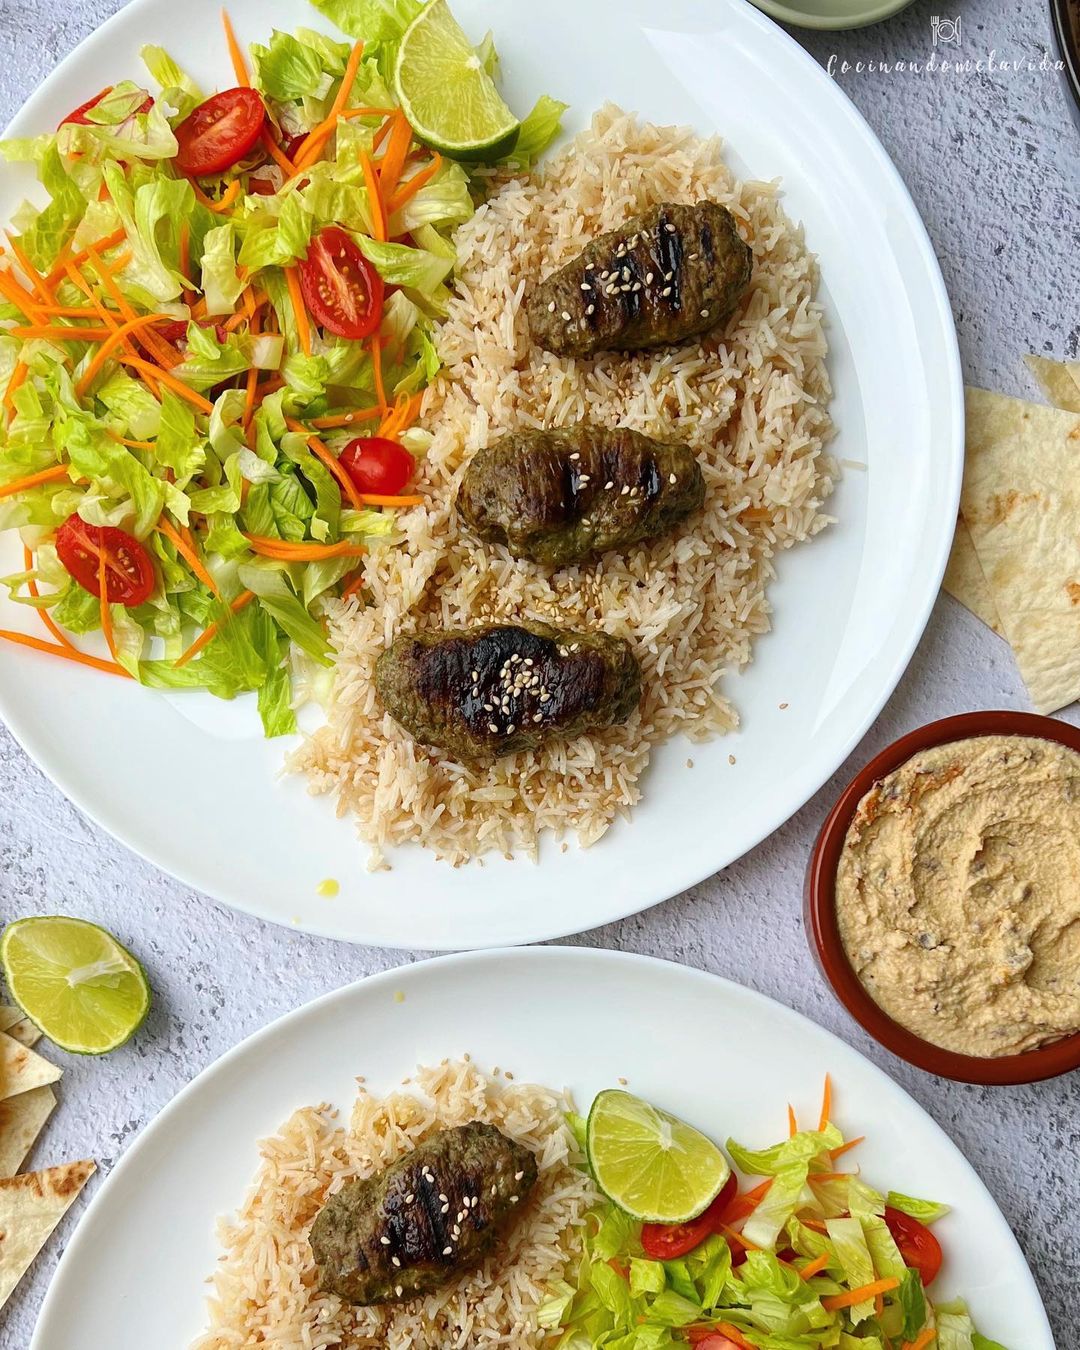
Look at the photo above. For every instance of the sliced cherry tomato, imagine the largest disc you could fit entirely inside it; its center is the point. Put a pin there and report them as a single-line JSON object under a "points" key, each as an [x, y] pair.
{"points": [[378, 465], [290, 144], [918, 1246], [666, 1241], [79, 117], [219, 132], [341, 288], [129, 573]]}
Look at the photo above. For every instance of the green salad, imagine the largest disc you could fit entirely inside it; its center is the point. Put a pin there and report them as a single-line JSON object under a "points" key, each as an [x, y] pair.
{"points": [[215, 337], [810, 1257]]}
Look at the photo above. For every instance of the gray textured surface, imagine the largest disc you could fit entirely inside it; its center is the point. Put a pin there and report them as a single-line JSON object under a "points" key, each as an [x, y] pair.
{"points": [[992, 162]]}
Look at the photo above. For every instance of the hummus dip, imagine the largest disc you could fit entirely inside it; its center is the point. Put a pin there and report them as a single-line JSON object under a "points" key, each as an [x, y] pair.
{"points": [[958, 894]]}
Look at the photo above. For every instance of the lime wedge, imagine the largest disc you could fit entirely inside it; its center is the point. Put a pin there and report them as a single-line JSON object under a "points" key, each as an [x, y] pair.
{"points": [[445, 92], [652, 1165], [74, 981]]}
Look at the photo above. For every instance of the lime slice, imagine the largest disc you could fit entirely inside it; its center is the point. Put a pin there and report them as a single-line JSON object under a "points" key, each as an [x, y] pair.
{"points": [[652, 1165], [445, 92], [74, 981]]}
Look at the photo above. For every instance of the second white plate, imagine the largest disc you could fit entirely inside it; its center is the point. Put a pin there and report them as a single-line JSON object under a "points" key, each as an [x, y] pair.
{"points": [[724, 1058]]}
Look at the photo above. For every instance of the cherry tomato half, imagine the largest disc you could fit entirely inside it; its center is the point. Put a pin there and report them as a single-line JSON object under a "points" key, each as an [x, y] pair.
{"points": [[219, 132], [129, 573], [340, 287], [79, 117], [378, 465], [175, 332], [918, 1246], [666, 1241]]}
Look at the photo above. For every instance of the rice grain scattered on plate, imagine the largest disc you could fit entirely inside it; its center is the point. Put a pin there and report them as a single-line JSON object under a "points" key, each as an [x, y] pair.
{"points": [[753, 403], [264, 1285]]}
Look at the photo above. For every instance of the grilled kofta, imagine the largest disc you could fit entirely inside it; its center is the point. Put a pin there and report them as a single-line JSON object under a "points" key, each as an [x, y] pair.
{"points": [[499, 688], [430, 1217], [666, 276], [562, 497]]}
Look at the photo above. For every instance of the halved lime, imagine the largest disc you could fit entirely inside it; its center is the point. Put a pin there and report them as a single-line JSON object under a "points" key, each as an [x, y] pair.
{"points": [[84, 990], [445, 92], [652, 1165]]}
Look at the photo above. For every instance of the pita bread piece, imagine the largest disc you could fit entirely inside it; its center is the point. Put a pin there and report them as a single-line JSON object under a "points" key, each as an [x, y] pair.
{"points": [[16, 1023], [964, 579], [31, 1205], [1021, 502], [22, 1119], [22, 1069], [1059, 381]]}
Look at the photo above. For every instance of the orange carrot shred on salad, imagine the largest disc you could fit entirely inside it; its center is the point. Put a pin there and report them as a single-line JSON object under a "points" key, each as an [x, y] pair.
{"points": [[839, 1152], [411, 186], [353, 586], [177, 386], [188, 553], [103, 603], [346, 419], [375, 201], [814, 1267], [793, 1124], [383, 499], [212, 629], [18, 375], [110, 340], [394, 160], [296, 298], [69, 653], [60, 332], [826, 1103], [32, 480], [922, 1340], [36, 280], [102, 245], [42, 613], [284, 163], [236, 55], [302, 552], [17, 294], [834, 1302]]}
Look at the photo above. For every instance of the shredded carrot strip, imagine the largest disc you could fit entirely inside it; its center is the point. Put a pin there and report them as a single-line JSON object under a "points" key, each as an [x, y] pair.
{"points": [[848, 1300], [380, 499], [297, 552], [826, 1103], [324, 130], [278, 155], [408, 190], [162, 353], [18, 375], [793, 1124], [271, 386], [323, 453], [235, 54], [177, 386], [69, 653], [375, 202], [813, 1267], [376, 369], [65, 312], [134, 445], [109, 343], [102, 245], [18, 295], [922, 1340], [394, 160], [211, 630], [187, 552], [61, 332], [43, 614], [303, 328], [36, 280], [52, 475], [346, 419], [224, 201], [744, 1205], [733, 1236], [382, 133], [835, 1153], [80, 282], [103, 603], [879, 1304], [353, 586]]}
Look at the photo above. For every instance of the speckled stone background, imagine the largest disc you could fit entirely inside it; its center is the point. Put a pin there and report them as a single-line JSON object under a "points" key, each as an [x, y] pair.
{"points": [[993, 162]]}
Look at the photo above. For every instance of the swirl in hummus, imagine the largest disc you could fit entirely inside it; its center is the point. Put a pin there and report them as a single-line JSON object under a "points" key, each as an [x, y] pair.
{"points": [[958, 894]]}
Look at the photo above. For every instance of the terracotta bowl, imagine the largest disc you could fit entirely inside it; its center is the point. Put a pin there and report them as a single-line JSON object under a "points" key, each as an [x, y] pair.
{"points": [[823, 929]]}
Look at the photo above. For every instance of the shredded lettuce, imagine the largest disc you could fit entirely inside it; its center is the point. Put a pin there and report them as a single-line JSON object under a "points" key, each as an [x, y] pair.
{"points": [[926, 1211]]}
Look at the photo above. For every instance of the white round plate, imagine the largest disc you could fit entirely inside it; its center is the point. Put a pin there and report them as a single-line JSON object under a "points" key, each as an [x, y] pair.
{"points": [[559, 1016], [188, 782]]}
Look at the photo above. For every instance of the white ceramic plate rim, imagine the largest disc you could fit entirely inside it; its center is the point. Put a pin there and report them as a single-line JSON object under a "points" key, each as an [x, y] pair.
{"points": [[531, 969], [637, 889]]}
